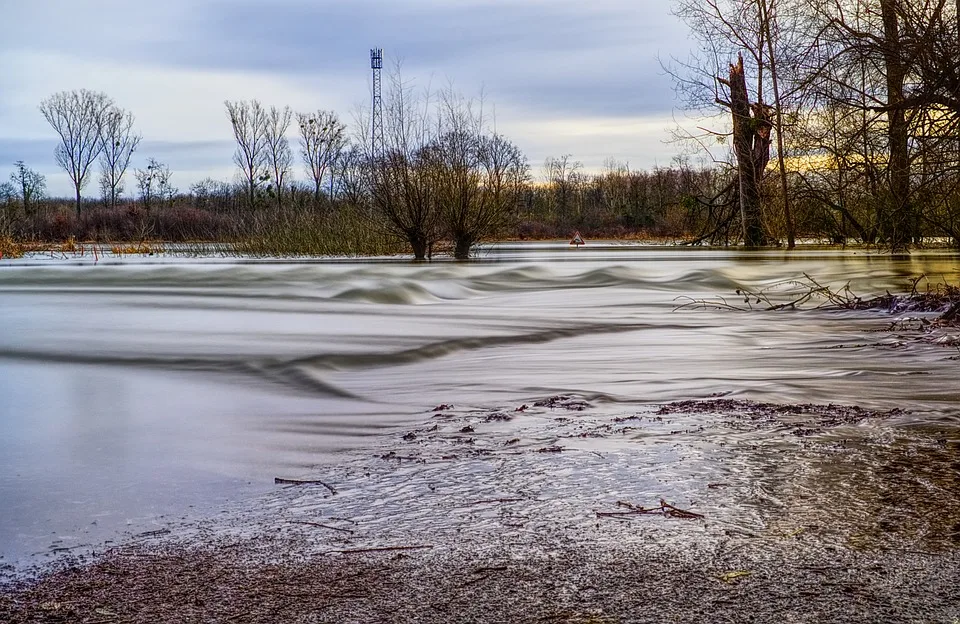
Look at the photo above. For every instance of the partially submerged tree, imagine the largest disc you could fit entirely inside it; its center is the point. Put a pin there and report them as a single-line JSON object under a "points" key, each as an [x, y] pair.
{"points": [[751, 30], [478, 176], [78, 118], [401, 189], [751, 144]]}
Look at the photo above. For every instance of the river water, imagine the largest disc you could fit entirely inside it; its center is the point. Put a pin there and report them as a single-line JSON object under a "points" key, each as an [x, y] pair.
{"points": [[133, 391]]}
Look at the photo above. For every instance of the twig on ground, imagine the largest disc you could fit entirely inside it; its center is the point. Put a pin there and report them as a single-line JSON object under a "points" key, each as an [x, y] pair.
{"points": [[665, 509], [351, 551], [322, 526], [279, 480]]}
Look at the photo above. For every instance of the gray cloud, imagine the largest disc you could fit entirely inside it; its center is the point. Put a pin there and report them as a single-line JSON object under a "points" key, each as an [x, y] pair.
{"points": [[568, 61]]}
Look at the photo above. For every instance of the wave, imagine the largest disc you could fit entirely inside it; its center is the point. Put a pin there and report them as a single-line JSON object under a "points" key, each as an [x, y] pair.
{"points": [[305, 373]]}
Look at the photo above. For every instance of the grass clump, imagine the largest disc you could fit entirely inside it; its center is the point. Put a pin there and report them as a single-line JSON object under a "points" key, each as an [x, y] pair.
{"points": [[10, 248]]}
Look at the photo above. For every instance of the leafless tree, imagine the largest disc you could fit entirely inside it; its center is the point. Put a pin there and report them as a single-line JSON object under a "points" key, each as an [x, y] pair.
{"points": [[29, 186], [353, 177], [154, 183], [119, 142], [78, 118], [323, 138], [401, 189], [249, 122], [561, 173], [279, 157], [742, 50]]}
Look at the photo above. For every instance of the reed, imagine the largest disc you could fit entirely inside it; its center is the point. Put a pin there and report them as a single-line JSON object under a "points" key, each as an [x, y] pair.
{"points": [[308, 233]]}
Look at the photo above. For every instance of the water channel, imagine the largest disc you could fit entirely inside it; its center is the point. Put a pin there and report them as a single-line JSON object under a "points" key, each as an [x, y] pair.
{"points": [[133, 391]]}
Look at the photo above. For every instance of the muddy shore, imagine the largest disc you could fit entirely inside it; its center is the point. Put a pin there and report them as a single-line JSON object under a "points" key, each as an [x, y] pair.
{"points": [[552, 512]]}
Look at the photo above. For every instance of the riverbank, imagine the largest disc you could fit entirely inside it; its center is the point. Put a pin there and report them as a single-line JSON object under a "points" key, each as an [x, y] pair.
{"points": [[636, 582], [719, 510]]}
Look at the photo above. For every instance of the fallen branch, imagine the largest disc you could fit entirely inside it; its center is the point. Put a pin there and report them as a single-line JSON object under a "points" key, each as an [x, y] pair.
{"points": [[351, 551], [322, 526], [280, 480], [676, 512], [665, 509]]}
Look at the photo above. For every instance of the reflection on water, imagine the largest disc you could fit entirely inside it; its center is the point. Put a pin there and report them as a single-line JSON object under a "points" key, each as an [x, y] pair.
{"points": [[134, 390]]}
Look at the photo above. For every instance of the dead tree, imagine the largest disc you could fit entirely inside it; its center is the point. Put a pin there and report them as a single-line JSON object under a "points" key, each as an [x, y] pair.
{"points": [[752, 127]]}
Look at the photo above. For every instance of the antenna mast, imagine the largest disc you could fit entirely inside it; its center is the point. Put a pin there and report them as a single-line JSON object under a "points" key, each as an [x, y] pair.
{"points": [[376, 125]]}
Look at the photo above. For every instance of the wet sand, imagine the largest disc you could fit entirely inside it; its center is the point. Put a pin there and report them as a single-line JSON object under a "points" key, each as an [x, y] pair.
{"points": [[551, 512]]}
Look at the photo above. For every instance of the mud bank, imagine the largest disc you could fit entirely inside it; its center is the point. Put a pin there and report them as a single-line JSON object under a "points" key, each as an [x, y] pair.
{"points": [[541, 512], [638, 582]]}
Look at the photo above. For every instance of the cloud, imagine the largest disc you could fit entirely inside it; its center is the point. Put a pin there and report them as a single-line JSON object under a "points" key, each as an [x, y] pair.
{"points": [[566, 76]]}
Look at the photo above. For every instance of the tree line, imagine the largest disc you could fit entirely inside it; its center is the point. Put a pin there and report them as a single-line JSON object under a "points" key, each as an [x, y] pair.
{"points": [[859, 100], [838, 117]]}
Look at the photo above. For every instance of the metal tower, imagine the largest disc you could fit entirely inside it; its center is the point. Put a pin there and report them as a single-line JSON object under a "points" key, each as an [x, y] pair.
{"points": [[376, 125]]}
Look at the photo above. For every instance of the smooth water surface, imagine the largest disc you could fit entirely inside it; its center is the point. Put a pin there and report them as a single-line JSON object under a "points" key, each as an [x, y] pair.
{"points": [[133, 391]]}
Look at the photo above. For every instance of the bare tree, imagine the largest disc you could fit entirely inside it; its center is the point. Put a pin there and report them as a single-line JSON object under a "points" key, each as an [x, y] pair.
{"points": [[29, 186], [279, 157], [402, 191], [561, 174], [249, 122], [77, 117], [353, 177], [154, 183], [119, 143], [770, 25], [323, 138], [477, 176]]}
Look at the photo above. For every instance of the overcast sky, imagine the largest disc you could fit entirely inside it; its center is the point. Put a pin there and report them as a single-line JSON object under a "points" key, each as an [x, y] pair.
{"points": [[578, 77]]}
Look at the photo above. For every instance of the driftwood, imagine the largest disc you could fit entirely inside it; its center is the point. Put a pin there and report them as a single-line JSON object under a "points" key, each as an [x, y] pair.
{"points": [[280, 480], [322, 526], [664, 509], [351, 551]]}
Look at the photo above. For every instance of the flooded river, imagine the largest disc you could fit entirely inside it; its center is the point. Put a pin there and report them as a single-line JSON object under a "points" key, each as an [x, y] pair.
{"points": [[136, 391]]}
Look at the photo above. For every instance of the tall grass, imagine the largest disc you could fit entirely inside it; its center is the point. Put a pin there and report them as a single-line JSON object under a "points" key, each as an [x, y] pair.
{"points": [[346, 232]]}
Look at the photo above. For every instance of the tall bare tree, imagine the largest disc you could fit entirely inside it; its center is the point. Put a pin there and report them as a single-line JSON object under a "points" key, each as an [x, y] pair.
{"points": [[249, 122], [279, 157], [401, 189], [323, 138], [769, 22], [77, 117], [119, 143], [749, 32], [478, 176]]}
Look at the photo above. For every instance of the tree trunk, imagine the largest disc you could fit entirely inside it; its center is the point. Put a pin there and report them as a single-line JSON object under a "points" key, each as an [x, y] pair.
{"points": [[461, 250], [784, 188], [419, 244], [751, 145], [899, 223], [77, 186]]}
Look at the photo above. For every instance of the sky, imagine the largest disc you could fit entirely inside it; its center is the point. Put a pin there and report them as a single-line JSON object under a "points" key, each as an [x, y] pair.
{"points": [[578, 77]]}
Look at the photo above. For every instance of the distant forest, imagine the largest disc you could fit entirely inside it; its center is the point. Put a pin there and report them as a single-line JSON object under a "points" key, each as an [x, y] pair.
{"points": [[839, 122]]}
